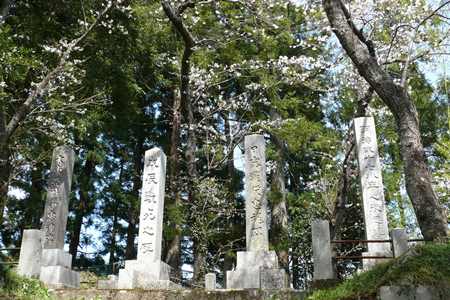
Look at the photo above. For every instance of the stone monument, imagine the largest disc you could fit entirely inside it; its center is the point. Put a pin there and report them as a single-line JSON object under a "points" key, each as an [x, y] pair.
{"points": [[322, 254], [375, 217], [55, 262], [148, 271], [257, 267], [210, 281], [30, 253]]}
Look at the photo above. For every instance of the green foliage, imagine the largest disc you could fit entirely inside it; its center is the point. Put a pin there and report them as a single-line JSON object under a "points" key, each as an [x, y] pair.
{"points": [[427, 265], [21, 288]]}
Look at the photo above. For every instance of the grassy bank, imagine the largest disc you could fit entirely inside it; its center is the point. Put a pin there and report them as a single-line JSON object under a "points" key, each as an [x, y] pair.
{"points": [[424, 265]]}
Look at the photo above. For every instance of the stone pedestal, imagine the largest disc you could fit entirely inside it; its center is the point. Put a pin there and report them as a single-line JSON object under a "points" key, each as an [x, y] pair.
{"points": [[56, 269], [256, 269], [137, 274], [59, 277], [30, 253], [108, 284]]}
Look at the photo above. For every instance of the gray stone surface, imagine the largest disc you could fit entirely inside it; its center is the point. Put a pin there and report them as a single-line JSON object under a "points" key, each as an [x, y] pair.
{"points": [[321, 246], [260, 259], [57, 203], [210, 281], [255, 193], [374, 207], [30, 253], [273, 279], [59, 277], [110, 283], [257, 258], [152, 206], [246, 278], [399, 241], [370, 262], [56, 257], [148, 271]]}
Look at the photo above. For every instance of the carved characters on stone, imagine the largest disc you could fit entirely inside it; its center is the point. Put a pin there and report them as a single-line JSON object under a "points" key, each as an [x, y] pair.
{"points": [[152, 202], [371, 183], [255, 191]]}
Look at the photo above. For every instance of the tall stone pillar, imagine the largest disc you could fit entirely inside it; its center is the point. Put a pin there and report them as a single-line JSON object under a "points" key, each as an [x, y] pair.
{"points": [[257, 267], [148, 271], [371, 182], [56, 263]]}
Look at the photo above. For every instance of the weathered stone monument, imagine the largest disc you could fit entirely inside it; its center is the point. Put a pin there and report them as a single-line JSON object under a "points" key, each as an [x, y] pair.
{"points": [[30, 253], [399, 241], [210, 281], [148, 271], [257, 267], [55, 262], [374, 207], [321, 247]]}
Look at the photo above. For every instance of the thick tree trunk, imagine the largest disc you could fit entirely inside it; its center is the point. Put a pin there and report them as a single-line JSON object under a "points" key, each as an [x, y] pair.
{"points": [[174, 250], [279, 229], [429, 212], [82, 207], [185, 72]]}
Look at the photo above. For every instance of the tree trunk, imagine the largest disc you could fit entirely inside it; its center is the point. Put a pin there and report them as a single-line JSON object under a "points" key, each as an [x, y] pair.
{"points": [[429, 212], [5, 166], [82, 208], [174, 250]]}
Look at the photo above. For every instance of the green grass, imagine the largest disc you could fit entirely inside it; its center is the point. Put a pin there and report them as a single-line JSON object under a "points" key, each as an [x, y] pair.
{"points": [[423, 265], [17, 287]]}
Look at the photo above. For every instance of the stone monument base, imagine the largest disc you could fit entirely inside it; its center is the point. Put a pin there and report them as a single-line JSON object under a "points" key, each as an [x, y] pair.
{"points": [[257, 269], [59, 277], [145, 275], [108, 284], [56, 270], [56, 257], [370, 263]]}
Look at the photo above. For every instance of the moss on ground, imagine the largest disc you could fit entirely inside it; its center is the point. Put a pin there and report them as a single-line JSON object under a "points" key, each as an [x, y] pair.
{"points": [[423, 265]]}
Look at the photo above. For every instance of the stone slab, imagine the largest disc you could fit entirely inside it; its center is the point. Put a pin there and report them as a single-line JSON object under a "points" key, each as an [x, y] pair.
{"points": [[59, 277], [138, 274], [248, 278], [56, 257], [321, 247], [273, 279], [30, 253], [255, 185], [260, 259], [57, 202], [399, 241], [210, 281]]}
